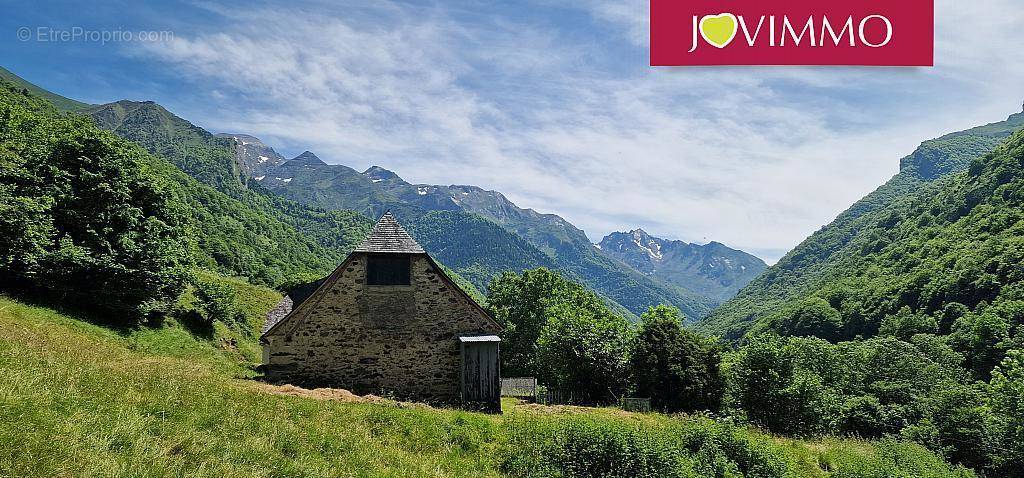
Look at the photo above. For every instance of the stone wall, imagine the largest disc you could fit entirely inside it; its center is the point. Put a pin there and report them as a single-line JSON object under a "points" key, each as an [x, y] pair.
{"points": [[401, 340]]}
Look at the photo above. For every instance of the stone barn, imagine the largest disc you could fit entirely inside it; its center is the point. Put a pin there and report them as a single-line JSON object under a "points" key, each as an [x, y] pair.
{"points": [[387, 320]]}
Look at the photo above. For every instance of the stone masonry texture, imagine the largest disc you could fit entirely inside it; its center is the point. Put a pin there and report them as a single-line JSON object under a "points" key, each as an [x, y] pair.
{"points": [[395, 340]]}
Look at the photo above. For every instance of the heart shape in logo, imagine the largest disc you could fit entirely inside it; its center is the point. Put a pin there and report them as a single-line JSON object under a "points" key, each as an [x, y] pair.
{"points": [[719, 30]]}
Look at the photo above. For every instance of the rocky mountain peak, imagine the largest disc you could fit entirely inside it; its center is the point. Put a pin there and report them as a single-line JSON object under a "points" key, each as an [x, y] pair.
{"points": [[640, 234], [308, 157], [712, 269], [378, 174]]}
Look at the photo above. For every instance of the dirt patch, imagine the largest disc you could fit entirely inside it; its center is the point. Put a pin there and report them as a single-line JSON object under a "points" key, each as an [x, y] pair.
{"points": [[333, 394], [337, 394], [570, 409]]}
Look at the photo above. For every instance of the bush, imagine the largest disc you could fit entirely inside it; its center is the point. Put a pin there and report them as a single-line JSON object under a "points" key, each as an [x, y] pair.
{"points": [[216, 300], [584, 447]]}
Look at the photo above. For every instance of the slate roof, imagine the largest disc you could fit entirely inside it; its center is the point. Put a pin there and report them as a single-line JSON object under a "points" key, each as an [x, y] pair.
{"points": [[290, 302], [278, 313], [389, 237]]}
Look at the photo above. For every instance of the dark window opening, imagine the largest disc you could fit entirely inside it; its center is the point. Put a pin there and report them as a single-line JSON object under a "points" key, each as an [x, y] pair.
{"points": [[388, 269]]}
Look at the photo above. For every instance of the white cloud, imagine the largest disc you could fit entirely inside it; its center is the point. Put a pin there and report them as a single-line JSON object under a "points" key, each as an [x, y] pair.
{"points": [[754, 158]]}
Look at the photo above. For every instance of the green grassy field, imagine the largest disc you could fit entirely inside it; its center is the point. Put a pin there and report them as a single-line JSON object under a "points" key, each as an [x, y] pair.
{"points": [[78, 399]]}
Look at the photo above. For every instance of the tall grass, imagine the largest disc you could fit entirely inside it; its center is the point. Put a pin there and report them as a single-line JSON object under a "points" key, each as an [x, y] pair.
{"points": [[78, 399]]}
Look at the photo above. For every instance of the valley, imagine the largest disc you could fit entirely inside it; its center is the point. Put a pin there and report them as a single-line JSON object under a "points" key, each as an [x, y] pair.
{"points": [[140, 254]]}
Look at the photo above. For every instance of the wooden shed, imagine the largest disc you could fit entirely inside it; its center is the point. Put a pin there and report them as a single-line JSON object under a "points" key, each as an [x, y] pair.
{"points": [[481, 371]]}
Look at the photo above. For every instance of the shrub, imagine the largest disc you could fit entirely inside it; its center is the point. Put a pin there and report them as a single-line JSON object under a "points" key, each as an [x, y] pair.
{"points": [[585, 447], [216, 300]]}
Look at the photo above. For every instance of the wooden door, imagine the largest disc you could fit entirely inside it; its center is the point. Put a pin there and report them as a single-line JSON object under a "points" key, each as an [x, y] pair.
{"points": [[481, 379]]}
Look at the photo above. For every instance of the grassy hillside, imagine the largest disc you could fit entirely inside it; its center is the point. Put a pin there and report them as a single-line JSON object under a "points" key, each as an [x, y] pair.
{"points": [[79, 399], [248, 230], [808, 266], [62, 103]]}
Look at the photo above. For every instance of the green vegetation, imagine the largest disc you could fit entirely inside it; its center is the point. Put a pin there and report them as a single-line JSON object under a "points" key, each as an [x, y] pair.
{"points": [[246, 230], [476, 248], [27, 88], [882, 387], [82, 219], [918, 319], [83, 400], [815, 262], [560, 332], [674, 366], [520, 302], [908, 383]]}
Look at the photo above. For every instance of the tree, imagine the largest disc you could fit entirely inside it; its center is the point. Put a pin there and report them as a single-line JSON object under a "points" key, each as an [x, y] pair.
{"points": [[1007, 402], [522, 304], [675, 367], [582, 351], [814, 317]]}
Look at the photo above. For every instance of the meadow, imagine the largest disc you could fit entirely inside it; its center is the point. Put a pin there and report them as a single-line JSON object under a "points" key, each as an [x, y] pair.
{"points": [[82, 399]]}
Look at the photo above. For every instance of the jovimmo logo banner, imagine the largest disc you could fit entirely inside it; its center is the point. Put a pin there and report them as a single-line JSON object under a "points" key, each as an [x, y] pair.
{"points": [[792, 32]]}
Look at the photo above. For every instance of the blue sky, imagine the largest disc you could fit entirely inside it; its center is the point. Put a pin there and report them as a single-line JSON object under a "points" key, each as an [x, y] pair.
{"points": [[552, 104]]}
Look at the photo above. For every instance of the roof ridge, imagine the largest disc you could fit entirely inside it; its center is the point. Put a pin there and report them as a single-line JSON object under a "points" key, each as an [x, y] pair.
{"points": [[388, 236]]}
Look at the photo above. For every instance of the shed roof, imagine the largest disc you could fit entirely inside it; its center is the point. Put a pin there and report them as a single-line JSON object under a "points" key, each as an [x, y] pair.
{"points": [[389, 237], [479, 338]]}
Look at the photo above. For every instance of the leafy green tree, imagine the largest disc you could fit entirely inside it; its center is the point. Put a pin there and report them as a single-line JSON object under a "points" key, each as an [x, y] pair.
{"points": [[814, 317], [1007, 402], [675, 367], [522, 304], [582, 351]]}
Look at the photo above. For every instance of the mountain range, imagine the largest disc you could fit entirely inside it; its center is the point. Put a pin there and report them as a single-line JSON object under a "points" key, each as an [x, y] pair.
{"points": [[271, 217], [711, 269], [551, 240], [476, 232]]}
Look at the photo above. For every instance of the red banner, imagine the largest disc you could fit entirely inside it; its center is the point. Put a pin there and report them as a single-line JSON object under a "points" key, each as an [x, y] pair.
{"points": [[793, 32]]}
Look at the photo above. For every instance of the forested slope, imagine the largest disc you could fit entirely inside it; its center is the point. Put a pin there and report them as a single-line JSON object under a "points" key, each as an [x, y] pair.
{"points": [[246, 230], [470, 244], [811, 264]]}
